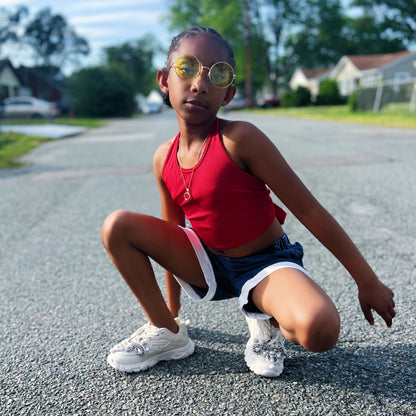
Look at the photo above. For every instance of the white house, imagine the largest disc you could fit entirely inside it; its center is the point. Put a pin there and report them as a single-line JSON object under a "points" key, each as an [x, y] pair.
{"points": [[309, 78], [10, 83], [354, 71]]}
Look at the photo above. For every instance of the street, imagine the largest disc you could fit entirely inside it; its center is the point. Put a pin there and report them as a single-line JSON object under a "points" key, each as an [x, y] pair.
{"points": [[63, 305]]}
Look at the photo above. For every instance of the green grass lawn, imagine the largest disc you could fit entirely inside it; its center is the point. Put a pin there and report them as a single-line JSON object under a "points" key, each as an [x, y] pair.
{"points": [[83, 122], [13, 145], [393, 116]]}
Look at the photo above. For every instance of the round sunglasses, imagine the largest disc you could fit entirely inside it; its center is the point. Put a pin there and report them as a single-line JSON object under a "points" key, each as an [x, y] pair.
{"points": [[221, 74]]}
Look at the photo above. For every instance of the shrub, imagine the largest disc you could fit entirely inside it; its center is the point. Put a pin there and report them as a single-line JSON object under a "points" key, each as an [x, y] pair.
{"points": [[102, 92], [352, 102], [301, 97], [329, 93]]}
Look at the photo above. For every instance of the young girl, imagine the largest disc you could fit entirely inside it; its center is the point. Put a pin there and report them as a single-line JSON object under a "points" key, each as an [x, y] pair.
{"points": [[218, 174]]}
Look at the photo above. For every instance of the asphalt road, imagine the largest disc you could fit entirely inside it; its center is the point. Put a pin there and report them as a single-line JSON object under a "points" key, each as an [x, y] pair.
{"points": [[63, 305]]}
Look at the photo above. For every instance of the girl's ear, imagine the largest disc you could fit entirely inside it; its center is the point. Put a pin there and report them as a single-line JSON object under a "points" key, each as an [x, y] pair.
{"points": [[162, 80], [229, 95]]}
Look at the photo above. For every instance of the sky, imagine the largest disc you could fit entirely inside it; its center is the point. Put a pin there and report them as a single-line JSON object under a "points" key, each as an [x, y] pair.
{"points": [[102, 22]]}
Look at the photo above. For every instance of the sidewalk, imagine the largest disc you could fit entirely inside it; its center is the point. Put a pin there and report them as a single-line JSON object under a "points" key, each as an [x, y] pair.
{"points": [[52, 131]]}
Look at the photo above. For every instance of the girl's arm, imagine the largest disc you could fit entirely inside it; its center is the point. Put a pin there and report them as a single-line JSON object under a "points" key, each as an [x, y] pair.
{"points": [[171, 213], [263, 160]]}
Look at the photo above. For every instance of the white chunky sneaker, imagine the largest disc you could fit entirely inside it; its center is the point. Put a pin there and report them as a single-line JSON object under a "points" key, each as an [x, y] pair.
{"points": [[265, 351], [149, 345]]}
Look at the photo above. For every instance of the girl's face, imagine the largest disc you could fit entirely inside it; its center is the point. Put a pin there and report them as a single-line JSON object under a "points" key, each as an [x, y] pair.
{"points": [[196, 98]]}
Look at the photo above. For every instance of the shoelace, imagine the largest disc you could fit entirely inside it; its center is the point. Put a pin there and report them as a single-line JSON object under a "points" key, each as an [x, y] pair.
{"points": [[272, 349], [135, 340]]}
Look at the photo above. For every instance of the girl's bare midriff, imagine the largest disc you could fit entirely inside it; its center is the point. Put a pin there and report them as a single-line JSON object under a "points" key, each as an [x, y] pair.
{"points": [[273, 233]]}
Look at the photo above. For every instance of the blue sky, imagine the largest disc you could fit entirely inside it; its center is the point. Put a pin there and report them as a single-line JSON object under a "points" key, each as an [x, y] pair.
{"points": [[103, 22]]}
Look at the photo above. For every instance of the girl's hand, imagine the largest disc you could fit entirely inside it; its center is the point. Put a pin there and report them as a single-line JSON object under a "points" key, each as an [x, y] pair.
{"points": [[379, 297]]}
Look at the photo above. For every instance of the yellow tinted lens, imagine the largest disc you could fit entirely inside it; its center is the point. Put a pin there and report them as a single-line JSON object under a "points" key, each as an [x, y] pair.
{"points": [[221, 75], [187, 67]]}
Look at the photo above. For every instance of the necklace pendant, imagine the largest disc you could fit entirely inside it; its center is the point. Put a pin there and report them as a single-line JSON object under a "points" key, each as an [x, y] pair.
{"points": [[187, 195]]}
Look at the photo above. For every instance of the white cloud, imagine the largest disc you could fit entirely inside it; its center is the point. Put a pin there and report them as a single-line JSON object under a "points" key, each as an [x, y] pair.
{"points": [[10, 2], [100, 4], [120, 17]]}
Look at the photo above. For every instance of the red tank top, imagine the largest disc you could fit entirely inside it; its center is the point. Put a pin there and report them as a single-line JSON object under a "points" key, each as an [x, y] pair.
{"points": [[229, 206]]}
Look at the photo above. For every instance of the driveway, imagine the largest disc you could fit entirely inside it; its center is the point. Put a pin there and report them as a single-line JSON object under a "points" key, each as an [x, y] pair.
{"points": [[52, 131]]}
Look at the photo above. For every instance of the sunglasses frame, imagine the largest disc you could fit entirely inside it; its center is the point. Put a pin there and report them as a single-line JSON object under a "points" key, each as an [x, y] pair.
{"points": [[201, 68]]}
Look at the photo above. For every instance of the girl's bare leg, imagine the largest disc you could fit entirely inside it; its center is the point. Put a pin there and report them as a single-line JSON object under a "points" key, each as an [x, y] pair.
{"points": [[304, 312], [130, 239], [173, 294]]}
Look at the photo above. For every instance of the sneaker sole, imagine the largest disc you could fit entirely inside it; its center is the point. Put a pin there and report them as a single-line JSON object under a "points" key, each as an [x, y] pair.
{"points": [[263, 369], [176, 354]]}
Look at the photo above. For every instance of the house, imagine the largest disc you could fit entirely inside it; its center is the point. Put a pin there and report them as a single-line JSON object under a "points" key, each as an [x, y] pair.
{"points": [[24, 81], [41, 83], [309, 78], [353, 71], [10, 81]]}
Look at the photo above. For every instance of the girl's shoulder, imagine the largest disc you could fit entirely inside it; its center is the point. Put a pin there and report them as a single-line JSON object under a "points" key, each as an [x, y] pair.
{"points": [[160, 156], [241, 140], [234, 127], [239, 131]]}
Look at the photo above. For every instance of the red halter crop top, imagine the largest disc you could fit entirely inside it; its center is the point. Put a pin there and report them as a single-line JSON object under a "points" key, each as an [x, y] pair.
{"points": [[229, 206]]}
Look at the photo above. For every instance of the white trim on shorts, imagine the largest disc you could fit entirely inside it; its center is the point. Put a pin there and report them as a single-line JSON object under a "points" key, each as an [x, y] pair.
{"points": [[256, 279], [206, 267], [208, 271]]}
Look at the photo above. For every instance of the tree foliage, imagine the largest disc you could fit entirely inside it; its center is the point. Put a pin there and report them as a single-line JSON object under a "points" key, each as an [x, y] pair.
{"points": [[53, 40], [9, 23], [397, 18], [320, 42], [135, 58], [328, 33], [102, 92]]}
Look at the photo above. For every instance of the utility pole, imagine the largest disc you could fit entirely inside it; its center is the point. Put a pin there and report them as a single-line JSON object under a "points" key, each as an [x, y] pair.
{"points": [[249, 82]]}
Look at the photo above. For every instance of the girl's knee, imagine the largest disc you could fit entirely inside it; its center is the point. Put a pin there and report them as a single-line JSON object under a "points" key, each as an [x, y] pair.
{"points": [[320, 331], [113, 227]]}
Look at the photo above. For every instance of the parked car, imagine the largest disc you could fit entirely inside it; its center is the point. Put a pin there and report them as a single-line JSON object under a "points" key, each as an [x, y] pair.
{"points": [[271, 102], [28, 107], [151, 108], [237, 103]]}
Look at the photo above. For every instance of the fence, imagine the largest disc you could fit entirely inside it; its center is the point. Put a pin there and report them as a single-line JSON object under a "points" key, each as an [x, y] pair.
{"points": [[387, 93]]}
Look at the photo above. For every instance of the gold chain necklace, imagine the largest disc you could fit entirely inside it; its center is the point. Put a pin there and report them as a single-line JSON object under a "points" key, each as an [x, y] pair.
{"points": [[187, 194]]}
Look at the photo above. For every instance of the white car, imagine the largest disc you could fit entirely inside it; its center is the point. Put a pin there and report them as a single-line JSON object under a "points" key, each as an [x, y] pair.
{"points": [[28, 107]]}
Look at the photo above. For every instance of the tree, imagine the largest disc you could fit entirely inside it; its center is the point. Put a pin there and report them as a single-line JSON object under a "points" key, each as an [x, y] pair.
{"points": [[321, 41], [365, 36], [396, 17], [9, 23], [136, 58], [328, 33], [280, 17], [102, 92], [53, 41]]}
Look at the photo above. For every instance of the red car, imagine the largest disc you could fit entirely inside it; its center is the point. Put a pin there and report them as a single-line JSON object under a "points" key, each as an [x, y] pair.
{"points": [[271, 102]]}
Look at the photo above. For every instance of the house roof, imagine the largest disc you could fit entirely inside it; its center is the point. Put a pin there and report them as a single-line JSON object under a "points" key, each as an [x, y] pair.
{"points": [[366, 62], [311, 73], [6, 63]]}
